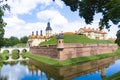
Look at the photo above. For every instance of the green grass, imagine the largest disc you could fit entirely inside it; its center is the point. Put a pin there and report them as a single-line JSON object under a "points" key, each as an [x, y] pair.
{"points": [[71, 61], [20, 45], [115, 76], [41, 59], [52, 41], [73, 38]]}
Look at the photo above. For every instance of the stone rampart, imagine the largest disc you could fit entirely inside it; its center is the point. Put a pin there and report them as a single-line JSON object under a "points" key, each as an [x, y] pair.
{"points": [[73, 50]]}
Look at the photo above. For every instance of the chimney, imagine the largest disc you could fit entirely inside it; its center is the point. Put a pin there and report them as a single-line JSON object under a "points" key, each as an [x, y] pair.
{"points": [[41, 33], [36, 33], [32, 33]]}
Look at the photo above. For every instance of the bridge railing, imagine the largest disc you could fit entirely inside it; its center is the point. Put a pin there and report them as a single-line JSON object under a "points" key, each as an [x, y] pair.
{"points": [[12, 47]]}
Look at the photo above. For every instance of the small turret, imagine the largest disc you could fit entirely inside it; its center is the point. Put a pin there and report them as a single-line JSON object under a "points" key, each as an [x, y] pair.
{"points": [[60, 42]]}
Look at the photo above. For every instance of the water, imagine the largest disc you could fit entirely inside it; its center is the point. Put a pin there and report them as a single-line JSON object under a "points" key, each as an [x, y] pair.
{"points": [[33, 70]]}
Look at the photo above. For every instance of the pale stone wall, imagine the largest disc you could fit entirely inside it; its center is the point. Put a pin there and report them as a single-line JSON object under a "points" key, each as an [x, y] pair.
{"points": [[35, 42]]}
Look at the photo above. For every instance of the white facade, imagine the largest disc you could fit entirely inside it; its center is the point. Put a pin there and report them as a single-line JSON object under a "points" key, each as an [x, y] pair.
{"points": [[93, 34]]}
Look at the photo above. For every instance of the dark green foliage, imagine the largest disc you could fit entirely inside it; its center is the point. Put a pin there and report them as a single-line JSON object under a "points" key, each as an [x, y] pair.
{"points": [[110, 10], [118, 38], [2, 23], [11, 41], [24, 39], [14, 41]]}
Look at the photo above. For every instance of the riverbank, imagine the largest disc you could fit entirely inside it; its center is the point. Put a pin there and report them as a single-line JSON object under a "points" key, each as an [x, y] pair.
{"points": [[71, 61]]}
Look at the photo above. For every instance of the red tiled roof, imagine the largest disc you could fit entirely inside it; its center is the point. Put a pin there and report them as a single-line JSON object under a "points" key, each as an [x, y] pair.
{"points": [[92, 30]]}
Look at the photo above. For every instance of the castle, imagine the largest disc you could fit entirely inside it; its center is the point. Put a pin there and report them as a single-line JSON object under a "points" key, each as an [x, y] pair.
{"points": [[92, 33], [62, 51], [36, 39]]}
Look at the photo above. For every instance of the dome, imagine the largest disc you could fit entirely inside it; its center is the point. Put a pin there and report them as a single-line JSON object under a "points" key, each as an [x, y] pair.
{"points": [[48, 26], [60, 37]]}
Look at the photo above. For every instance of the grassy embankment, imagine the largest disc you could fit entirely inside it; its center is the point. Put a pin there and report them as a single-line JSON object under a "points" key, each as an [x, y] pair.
{"points": [[75, 39], [70, 39], [20, 45]]}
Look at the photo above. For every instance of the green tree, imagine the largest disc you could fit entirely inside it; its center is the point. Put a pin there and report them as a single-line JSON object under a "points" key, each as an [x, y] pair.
{"points": [[13, 40], [110, 10], [3, 7], [118, 38], [24, 39], [7, 42]]}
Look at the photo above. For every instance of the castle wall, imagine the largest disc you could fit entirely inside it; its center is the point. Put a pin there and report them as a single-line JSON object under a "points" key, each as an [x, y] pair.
{"points": [[73, 50], [49, 51]]}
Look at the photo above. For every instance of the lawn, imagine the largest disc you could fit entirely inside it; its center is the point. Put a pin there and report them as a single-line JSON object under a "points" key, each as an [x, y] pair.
{"points": [[73, 38]]}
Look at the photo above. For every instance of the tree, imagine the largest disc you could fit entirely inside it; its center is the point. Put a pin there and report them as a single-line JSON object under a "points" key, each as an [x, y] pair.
{"points": [[3, 7], [110, 10], [13, 41], [7, 42], [24, 39], [118, 38]]}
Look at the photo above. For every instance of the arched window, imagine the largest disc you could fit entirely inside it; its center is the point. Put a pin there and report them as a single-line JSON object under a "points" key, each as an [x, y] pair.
{"points": [[59, 41]]}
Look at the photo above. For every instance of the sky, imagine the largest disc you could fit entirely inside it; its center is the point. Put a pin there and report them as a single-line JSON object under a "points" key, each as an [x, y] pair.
{"points": [[26, 16]]}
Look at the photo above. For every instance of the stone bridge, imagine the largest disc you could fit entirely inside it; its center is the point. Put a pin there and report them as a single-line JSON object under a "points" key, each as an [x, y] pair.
{"points": [[10, 49]]}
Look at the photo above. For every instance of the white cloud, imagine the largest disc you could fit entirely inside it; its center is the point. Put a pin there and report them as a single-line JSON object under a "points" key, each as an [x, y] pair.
{"points": [[18, 27], [25, 6], [54, 16], [18, 70]]}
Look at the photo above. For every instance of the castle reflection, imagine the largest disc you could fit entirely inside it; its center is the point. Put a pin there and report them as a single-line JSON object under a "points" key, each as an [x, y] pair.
{"points": [[70, 72]]}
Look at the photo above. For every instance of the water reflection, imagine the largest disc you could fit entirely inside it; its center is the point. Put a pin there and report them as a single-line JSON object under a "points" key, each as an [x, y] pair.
{"points": [[34, 70], [71, 72]]}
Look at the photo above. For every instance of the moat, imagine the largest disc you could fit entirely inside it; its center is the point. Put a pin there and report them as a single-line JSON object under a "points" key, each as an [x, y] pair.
{"points": [[33, 70]]}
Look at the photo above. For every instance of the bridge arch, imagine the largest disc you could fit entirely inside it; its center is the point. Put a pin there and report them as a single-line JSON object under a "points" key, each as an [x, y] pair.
{"points": [[16, 51], [24, 50], [6, 51], [11, 49]]}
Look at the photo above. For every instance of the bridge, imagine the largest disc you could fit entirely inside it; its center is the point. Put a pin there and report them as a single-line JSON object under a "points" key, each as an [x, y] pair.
{"points": [[10, 49]]}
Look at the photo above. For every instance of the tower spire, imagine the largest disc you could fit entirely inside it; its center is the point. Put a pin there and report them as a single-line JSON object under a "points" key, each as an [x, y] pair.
{"points": [[48, 30]]}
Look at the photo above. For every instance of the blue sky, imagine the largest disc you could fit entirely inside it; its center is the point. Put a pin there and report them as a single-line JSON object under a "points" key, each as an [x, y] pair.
{"points": [[32, 15]]}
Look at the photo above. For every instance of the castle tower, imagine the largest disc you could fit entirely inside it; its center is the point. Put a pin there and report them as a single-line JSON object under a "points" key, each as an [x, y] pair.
{"points": [[48, 30], [60, 42]]}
